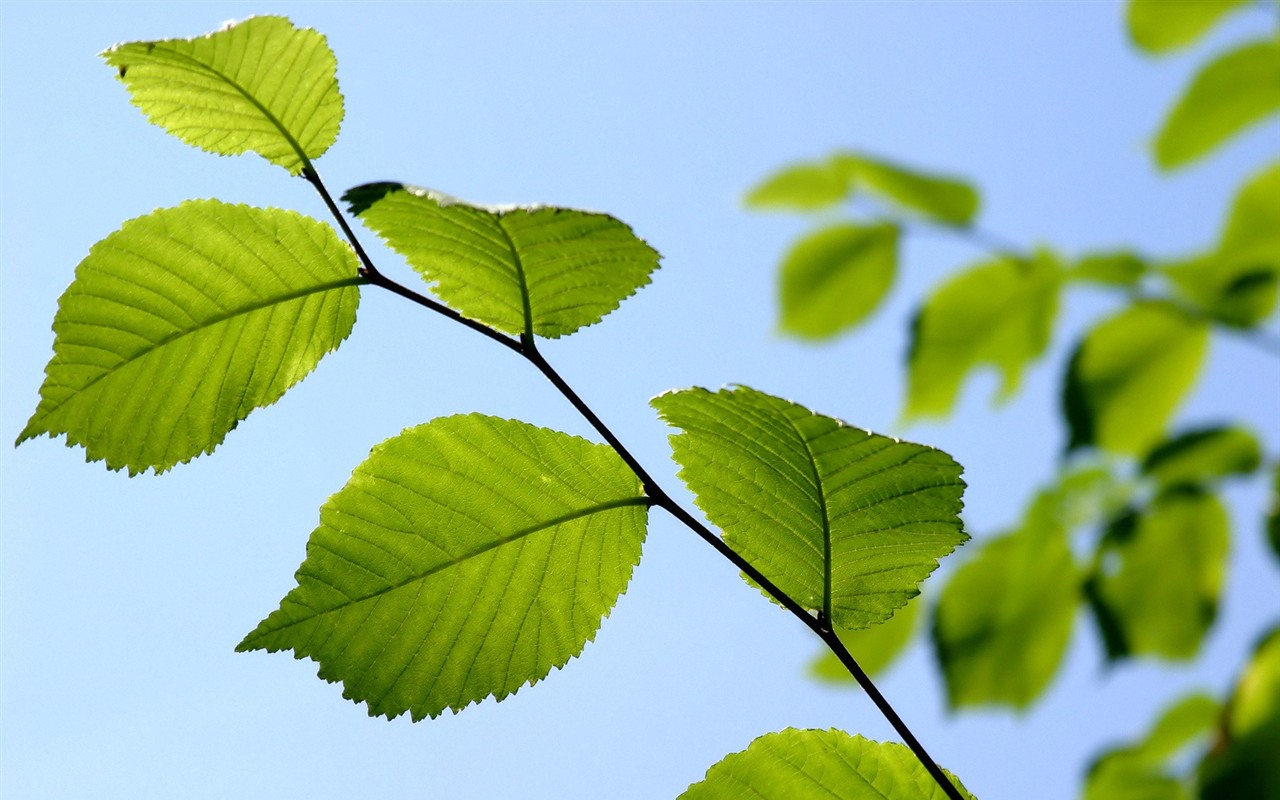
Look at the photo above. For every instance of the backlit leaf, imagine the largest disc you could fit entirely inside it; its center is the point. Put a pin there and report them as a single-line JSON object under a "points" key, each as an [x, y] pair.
{"points": [[465, 558], [943, 198], [1129, 375], [800, 187], [1161, 581], [519, 269], [875, 648], [846, 522], [1273, 513], [1120, 268], [1203, 455], [836, 277], [1141, 770], [999, 313], [1004, 620], [185, 320], [819, 765], [1244, 763], [1232, 92], [260, 86], [1159, 26]]}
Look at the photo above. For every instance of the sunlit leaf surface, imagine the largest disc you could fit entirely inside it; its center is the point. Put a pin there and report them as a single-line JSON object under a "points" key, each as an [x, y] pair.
{"points": [[1203, 455], [942, 198], [836, 277], [1159, 26], [800, 187], [875, 648]]}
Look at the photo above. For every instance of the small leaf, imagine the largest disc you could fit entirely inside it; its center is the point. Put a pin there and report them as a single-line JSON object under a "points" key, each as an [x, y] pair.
{"points": [[521, 270], [946, 199], [819, 765], [1004, 621], [800, 187], [260, 85], [1203, 455], [1243, 763], [844, 521], [1273, 514], [1121, 268], [1129, 375], [1160, 26], [1140, 771], [1161, 584], [464, 558], [875, 648], [185, 320], [999, 313], [836, 277], [1232, 92]]}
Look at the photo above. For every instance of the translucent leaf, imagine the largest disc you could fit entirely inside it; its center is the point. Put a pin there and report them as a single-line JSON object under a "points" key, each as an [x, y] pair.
{"points": [[464, 558], [943, 198], [1120, 268], [1004, 620], [1129, 375], [819, 765], [999, 313], [1140, 771], [1161, 580], [1273, 514], [1159, 26], [1244, 763], [875, 648], [1203, 455], [836, 277], [800, 187], [846, 522], [1232, 92], [260, 86], [185, 320], [519, 269]]}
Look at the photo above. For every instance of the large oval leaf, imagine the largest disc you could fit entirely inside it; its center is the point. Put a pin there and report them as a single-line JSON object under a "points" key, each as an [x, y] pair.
{"points": [[185, 320], [534, 269], [845, 521], [819, 765], [836, 277], [464, 558], [260, 85]]}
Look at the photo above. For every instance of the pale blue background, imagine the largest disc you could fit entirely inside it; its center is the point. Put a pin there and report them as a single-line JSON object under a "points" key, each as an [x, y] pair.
{"points": [[122, 599]]}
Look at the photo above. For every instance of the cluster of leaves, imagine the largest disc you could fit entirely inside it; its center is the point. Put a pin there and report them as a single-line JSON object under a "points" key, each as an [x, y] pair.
{"points": [[1140, 499], [468, 556]]}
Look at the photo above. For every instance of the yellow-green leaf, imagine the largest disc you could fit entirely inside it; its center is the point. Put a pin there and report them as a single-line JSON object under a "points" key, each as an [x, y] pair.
{"points": [[800, 187], [943, 198], [836, 277], [875, 648], [1159, 26]]}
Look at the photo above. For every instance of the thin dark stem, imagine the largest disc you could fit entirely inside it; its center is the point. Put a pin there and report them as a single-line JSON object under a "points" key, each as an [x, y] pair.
{"points": [[527, 347]]}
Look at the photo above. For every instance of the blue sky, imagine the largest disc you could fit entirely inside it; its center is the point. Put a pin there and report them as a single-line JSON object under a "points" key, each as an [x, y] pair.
{"points": [[122, 599]]}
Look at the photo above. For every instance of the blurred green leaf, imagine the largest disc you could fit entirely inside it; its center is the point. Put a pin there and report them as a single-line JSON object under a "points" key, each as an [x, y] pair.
{"points": [[1140, 771], [184, 321], [1203, 455], [1273, 514], [846, 522], [836, 277], [999, 313], [1004, 621], [1159, 26], [801, 187], [1244, 763], [1129, 375], [1161, 582], [259, 85], [534, 269], [946, 199], [1121, 268], [465, 558], [875, 648], [1232, 92], [819, 765]]}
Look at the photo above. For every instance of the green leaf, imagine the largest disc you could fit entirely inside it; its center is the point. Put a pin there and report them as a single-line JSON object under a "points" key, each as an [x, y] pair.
{"points": [[844, 521], [999, 313], [260, 86], [946, 199], [1244, 763], [836, 277], [1161, 581], [1140, 771], [1273, 514], [1129, 375], [805, 186], [1004, 621], [465, 558], [1160, 26], [1120, 268], [819, 765], [1232, 92], [1203, 455], [185, 320], [521, 270], [875, 648]]}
